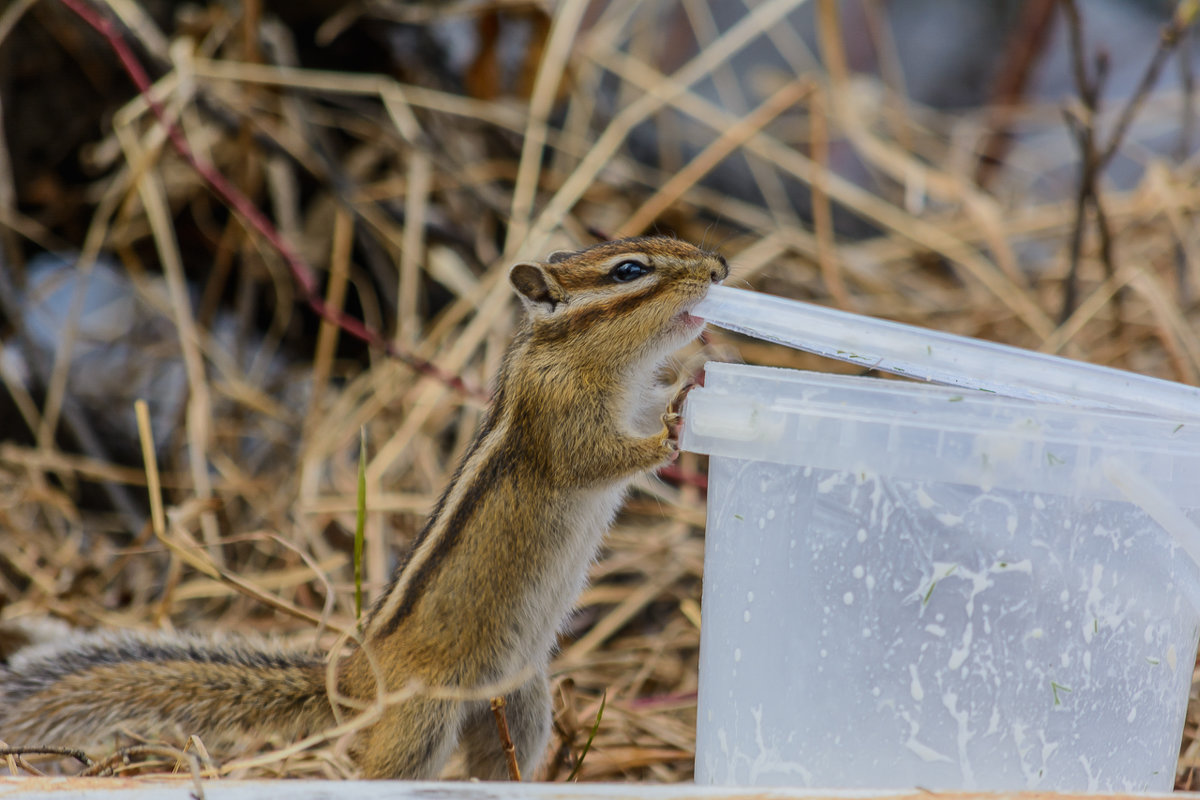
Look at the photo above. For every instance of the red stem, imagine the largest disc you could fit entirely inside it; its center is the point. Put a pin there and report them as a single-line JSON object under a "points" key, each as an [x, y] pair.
{"points": [[244, 207]]}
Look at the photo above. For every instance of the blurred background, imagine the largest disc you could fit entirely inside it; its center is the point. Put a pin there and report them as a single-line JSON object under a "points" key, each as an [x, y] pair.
{"points": [[1019, 170]]}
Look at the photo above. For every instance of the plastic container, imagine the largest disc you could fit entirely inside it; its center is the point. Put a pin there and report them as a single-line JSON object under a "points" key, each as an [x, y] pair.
{"points": [[909, 585], [939, 357]]}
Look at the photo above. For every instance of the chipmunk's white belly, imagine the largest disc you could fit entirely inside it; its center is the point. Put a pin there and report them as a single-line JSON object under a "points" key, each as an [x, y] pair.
{"points": [[583, 522]]}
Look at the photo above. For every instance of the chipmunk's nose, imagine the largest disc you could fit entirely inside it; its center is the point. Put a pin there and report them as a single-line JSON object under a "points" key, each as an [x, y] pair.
{"points": [[718, 275]]}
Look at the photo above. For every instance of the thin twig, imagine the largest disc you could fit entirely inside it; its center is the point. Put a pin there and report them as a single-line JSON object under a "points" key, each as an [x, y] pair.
{"points": [[1168, 40], [506, 742], [1023, 48], [1094, 157], [110, 764], [71, 752]]}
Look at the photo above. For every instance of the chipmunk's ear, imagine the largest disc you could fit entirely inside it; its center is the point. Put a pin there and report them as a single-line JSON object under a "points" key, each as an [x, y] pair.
{"points": [[561, 255], [536, 287]]}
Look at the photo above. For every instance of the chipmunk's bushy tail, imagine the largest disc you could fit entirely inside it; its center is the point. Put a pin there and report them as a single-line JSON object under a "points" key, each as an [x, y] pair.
{"points": [[81, 689]]}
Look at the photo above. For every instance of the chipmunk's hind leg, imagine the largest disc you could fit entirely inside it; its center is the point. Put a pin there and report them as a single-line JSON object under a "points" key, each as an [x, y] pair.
{"points": [[413, 740], [527, 711]]}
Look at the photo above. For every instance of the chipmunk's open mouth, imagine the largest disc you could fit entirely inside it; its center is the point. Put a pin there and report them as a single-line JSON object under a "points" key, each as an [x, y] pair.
{"points": [[688, 320]]}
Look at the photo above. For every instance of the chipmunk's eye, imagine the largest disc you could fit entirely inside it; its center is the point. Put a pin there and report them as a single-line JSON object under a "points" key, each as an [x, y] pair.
{"points": [[628, 271]]}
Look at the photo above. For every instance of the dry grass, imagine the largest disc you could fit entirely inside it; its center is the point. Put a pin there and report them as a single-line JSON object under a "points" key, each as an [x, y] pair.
{"points": [[413, 200]]}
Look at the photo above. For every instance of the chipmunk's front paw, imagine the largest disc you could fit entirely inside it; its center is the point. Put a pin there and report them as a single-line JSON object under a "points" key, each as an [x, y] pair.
{"points": [[676, 404], [670, 436]]}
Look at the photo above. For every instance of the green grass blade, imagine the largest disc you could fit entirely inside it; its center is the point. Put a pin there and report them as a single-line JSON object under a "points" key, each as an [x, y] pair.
{"points": [[588, 744]]}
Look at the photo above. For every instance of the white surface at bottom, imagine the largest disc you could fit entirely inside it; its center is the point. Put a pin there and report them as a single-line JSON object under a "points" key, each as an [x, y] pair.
{"points": [[183, 788]]}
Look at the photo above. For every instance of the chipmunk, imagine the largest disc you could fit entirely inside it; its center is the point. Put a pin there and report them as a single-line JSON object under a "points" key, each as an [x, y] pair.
{"points": [[575, 416]]}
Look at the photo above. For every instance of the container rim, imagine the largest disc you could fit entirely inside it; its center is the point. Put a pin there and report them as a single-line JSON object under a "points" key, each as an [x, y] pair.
{"points": [[929, 406], [946, 358]]}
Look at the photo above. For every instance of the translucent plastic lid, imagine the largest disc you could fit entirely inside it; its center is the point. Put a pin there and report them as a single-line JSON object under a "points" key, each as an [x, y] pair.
{"points": [[937, 433], [943, 357]]}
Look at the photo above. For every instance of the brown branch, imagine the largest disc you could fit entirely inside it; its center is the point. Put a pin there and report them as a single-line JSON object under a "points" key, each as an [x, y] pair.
{"points": [[1075, 33], [1094, 157], [78, 755], [506, 742], [253, 216], [1022, 50], [1168, 40]]}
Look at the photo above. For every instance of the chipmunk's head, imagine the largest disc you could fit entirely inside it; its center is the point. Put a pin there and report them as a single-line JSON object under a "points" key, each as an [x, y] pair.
{"points": [[622, 299]]}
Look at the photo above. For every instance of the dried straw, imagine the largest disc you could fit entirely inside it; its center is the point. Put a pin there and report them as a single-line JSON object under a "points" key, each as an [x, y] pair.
{"points": [[404, 204]]}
